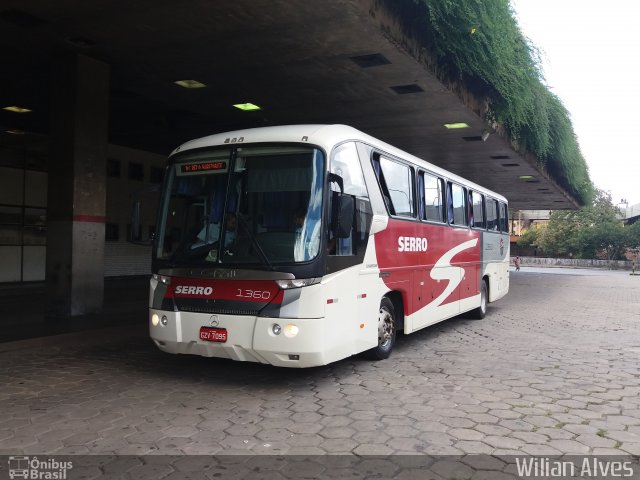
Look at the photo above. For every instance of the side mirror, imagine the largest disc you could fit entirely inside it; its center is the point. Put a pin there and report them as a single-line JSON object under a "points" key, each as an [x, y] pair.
{"points": [[344, 210]]}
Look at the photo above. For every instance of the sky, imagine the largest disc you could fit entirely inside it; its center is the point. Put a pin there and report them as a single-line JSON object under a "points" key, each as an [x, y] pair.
{"points": [[590, 54]]}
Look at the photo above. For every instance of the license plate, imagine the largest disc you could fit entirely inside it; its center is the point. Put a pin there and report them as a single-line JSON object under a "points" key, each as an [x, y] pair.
{"points": [[213, 334]]}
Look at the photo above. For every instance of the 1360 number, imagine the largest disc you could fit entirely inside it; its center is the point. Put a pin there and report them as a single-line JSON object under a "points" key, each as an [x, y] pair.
{"points": [[257, 294]]}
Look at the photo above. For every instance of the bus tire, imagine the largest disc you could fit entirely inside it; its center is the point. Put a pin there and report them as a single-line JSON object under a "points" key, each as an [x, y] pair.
{"points": [[386, 331], [480, 312]]}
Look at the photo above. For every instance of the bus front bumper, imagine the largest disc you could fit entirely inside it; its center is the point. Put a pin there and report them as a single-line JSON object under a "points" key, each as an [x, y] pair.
{"points": [[249, 338]]}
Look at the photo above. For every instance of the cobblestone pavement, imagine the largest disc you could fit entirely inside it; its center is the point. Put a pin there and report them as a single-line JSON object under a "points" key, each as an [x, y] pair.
{"points": [[554, 368]]}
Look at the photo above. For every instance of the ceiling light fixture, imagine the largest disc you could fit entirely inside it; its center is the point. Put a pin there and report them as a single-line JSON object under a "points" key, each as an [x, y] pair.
{"points": [[190, 83], [454, 126], [373, 60], [17, 109], [525, 177], [247, 107], [15, 131]]}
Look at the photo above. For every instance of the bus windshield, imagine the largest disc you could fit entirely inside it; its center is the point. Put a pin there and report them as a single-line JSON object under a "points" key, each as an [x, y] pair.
{"points": [[242, 205]]}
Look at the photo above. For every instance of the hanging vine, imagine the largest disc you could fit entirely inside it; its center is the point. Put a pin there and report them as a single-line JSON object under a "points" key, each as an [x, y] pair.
{"points": [[479, 43]]}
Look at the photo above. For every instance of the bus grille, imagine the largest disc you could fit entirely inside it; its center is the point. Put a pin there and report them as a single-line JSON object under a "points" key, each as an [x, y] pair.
{"points": [[222, 308]]}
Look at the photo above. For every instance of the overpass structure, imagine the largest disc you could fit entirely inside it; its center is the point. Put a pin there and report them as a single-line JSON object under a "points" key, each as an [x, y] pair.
{"points": [[632, 213], [85, 76]]}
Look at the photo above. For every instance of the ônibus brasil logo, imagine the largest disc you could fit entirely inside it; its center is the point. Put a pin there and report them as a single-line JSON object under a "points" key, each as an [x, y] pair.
{"points": [[35, 469]]}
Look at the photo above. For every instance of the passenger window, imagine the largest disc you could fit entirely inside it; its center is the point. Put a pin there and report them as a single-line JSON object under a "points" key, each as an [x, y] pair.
{"points": [[346, 164], [457, 205], [397, 180], [504, 218], [492, 214], [477, 209], [432, 201]]}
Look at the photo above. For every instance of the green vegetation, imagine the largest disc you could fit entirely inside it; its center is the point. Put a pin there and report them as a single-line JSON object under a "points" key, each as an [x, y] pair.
{"points": [[479, 44], [594, 231]]}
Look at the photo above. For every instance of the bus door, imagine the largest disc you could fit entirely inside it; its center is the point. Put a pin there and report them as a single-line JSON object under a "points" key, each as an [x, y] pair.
{"points": [[347, 241]]}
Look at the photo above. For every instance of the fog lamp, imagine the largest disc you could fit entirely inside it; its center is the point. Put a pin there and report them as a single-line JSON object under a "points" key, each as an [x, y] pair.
{"points": [[276, 329], [291, 330], [164, 320]]}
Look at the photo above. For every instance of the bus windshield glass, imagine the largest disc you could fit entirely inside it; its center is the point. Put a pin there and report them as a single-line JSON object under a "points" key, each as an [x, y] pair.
{"points": [[257, 206]]}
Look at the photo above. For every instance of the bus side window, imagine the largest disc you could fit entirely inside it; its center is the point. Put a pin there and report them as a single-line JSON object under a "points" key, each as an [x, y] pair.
{"points": [[375, 160], [458, 205], [449, 204], [477, 209], [432, 195], [396, 180], [345, 163], [504, 218], [421, 200], [492, 214]]}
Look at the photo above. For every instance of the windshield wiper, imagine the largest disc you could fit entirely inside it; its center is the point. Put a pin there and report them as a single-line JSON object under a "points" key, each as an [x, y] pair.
{"points": [[263, 256]]}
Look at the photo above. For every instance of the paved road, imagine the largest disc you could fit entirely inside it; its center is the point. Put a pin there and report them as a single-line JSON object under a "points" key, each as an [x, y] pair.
{"points": [[554, 368]]}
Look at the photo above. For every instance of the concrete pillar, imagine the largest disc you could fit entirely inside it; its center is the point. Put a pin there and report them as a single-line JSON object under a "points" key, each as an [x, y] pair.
{"points": [[76, 202]]}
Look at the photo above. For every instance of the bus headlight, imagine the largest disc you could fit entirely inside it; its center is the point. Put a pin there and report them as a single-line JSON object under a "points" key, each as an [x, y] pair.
{"points": [[297, 283], [161, 278], [291, 330], [276, 329], [164, 320], [155, 319]]}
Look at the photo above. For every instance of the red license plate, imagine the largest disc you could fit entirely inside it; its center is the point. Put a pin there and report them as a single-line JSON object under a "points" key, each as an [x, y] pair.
{"points": [[213, 334]]}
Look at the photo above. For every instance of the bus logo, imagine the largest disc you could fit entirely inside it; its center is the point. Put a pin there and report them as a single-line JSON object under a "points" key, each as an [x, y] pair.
{"points": [[443, 270], [26, 467], [412, 244], [18, 467], [193, 290]]}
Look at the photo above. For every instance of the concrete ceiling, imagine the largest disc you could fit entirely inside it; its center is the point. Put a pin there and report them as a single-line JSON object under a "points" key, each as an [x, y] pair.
{"points": [[301, 61]]}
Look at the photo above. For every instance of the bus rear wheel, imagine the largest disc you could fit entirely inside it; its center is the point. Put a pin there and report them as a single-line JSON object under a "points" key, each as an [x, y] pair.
{"points": [[480, 312], [386, 331]]}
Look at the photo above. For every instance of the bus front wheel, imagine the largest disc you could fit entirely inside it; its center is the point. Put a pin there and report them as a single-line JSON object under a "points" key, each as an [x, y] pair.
{"points": [[386, 331]]}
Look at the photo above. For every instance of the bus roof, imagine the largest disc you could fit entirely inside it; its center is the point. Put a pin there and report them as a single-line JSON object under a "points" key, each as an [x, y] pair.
{"points": [[325, 136]]}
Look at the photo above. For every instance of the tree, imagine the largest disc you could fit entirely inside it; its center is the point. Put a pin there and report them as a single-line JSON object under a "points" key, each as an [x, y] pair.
{"points": [[558, 239], [594, 230], [530, 237]]}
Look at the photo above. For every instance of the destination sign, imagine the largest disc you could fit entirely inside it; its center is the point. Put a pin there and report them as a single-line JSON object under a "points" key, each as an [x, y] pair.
{"points": [[202, 167]]}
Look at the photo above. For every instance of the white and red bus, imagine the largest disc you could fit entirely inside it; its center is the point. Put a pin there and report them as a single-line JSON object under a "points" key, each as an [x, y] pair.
{"points": [[302, 245]]}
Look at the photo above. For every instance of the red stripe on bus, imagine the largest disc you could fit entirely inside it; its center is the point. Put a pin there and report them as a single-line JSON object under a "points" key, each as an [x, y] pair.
{"points": [[253, 291], [413, 265]]}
